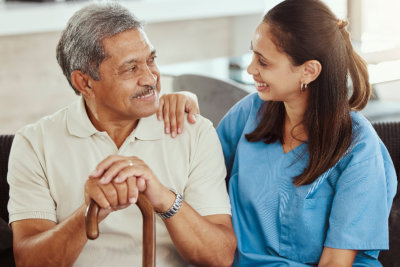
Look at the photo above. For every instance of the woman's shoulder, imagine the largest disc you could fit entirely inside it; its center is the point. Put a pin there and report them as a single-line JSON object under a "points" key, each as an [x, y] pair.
{"points": [[366, 142], [247, 105]]}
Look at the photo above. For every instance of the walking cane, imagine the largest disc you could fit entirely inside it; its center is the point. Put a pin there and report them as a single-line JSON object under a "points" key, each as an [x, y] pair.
{"points": [[149, 227]]}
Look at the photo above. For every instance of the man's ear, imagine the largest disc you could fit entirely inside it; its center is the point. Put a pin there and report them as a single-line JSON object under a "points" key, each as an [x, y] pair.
{"points": [[311, 71], [82, 82]]}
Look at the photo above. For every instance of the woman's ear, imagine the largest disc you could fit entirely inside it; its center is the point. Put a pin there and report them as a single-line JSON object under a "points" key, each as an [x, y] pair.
{"points": [[312, 69], [82, 82]]}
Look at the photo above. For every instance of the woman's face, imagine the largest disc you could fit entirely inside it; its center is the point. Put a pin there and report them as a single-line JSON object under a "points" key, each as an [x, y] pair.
{"points": [[275, 77]]}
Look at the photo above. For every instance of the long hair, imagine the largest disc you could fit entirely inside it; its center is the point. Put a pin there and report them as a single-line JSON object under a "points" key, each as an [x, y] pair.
{"points": [[80, 46], [308, 30]]}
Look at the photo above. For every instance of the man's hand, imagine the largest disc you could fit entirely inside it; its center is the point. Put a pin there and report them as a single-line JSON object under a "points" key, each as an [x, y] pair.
{"points": [[172, 108], [112, 196], [121, 179], [196, 237]]}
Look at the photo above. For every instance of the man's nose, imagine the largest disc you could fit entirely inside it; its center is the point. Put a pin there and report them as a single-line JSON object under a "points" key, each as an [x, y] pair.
{"points": [[147, 77]]}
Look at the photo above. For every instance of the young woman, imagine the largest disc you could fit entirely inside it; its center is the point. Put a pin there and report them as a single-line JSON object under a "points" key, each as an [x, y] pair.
{"points": [[309, 179]]}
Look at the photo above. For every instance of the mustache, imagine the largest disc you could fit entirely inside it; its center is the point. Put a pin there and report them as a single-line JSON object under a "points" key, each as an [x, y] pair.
{"points": [[146, 88]]}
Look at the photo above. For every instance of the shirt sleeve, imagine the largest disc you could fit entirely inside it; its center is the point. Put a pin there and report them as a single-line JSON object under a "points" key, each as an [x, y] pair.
{"points": [[206, 189], [361, 205], [30, 196]]}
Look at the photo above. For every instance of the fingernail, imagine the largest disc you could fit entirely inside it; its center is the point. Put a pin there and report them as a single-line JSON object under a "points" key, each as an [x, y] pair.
{"points": [[173, 134], [194, 117], [179, 130], [118, 179], [158, 117], [132, 200], [167, 130]]}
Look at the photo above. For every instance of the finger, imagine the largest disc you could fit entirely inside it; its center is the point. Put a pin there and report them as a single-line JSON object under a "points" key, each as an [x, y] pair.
{"points": [[160, 108], [180, 112], [93, 191], [110, 193], [127, 172], [104, 165], [192, 110], [166, 117], [172, 115], [114, 170], [192, 118], [122, 193], [133, 191], [141, 184], [139, 170], [192, 105]]}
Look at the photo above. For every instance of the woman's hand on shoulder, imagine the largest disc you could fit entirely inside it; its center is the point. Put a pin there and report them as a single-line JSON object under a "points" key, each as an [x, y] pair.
{"points": [[172, 108]]}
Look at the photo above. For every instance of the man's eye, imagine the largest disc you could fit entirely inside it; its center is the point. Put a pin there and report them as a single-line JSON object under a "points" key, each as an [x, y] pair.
{"points": [[131, 69], [152, 59]]}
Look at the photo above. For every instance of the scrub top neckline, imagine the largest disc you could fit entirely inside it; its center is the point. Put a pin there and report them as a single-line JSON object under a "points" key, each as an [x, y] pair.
{"points": [[290, 151]]}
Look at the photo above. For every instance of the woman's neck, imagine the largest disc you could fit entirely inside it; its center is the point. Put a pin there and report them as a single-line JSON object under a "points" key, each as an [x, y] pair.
{"points": [[294, 130]]}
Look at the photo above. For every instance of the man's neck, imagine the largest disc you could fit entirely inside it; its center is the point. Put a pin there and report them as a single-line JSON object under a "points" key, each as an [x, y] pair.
{"points": [[118, 130]]}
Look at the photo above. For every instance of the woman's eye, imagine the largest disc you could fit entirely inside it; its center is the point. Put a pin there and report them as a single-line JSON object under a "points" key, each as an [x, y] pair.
{"points": [[262, 63]]}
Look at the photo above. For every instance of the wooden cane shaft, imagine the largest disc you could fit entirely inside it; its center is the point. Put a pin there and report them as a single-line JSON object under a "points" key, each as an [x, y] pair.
{"points": [[149, 232]]}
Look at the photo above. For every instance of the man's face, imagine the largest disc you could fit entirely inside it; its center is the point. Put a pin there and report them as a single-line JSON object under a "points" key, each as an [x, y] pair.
{"points": [[129, 84]]}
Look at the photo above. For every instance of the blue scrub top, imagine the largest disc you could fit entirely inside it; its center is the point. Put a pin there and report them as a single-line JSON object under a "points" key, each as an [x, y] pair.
{"points": [[278, 224]]}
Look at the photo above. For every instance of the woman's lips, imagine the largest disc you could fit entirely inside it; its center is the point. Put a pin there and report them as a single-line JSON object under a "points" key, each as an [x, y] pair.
{"points": [[260, 86]]}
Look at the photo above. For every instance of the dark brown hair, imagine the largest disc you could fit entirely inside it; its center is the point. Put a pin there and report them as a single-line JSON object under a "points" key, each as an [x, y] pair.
{"points": [[308, 30]]}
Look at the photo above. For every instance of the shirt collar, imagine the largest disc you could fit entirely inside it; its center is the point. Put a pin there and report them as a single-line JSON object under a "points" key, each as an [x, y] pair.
{"points": [[149, 128], [79, 124]]}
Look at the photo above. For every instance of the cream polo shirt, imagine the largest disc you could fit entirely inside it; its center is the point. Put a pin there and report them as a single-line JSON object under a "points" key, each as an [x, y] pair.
{"points": [[51, 160]]}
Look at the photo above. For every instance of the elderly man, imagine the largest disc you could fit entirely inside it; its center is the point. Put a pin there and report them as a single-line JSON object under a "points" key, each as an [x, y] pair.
{"points": [[108, 146]]}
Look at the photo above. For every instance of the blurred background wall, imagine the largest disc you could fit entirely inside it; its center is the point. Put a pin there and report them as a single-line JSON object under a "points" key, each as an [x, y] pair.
{"points": [[32, 84]]}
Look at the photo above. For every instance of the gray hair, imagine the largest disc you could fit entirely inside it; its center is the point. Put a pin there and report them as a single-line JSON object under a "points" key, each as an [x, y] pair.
{"points": [[80, 46]]}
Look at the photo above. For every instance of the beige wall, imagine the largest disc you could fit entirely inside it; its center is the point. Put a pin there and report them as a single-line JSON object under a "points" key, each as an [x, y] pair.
{"points": [[32, 84]]}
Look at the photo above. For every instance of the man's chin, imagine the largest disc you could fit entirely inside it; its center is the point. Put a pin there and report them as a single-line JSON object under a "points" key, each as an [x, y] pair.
{"points": [[147, 112]]}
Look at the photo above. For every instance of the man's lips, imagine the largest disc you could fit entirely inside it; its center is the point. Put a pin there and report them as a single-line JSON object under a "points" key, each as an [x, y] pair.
{"points": [[147, 93]]}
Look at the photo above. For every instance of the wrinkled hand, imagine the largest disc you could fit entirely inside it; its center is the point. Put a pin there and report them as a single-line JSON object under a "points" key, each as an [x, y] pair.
{"points": [[172, 108], [128, 176], [112, 196]]}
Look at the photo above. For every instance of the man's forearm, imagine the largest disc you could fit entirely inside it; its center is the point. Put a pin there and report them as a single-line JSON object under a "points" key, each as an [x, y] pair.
{"points": [[199, 240], [58, 246]]}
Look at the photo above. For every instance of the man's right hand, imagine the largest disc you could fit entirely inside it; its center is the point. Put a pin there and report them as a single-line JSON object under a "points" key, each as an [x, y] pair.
{"points": [[111, 196]]}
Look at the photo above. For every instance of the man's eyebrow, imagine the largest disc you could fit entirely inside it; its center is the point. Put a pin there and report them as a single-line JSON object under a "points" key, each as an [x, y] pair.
{"points": [[134, 60]]}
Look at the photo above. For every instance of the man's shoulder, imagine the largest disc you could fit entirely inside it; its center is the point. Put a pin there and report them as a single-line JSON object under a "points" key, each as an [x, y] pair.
{"points": [[45, 124], [202, 124]]}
